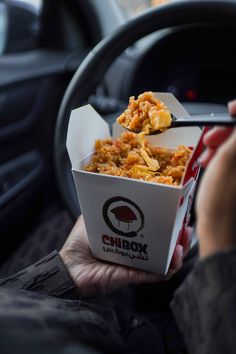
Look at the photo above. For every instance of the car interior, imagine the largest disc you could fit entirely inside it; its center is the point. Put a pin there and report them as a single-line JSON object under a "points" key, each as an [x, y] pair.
{"points": [[58, 55]]}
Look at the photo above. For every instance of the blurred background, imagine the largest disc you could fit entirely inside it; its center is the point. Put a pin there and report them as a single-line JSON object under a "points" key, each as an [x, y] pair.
{"points": [[134, 7], [42, 43], [28, 12]]}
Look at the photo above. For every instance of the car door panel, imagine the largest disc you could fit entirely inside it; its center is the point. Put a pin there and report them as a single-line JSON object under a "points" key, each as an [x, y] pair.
{"points": [[31, 89]]}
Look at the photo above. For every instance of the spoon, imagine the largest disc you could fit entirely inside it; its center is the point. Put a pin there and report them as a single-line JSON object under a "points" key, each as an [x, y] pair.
{"points": [[212, 119]]}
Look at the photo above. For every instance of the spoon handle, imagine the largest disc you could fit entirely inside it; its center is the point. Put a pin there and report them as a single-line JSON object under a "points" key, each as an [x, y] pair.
{"points": [[216, 119]]}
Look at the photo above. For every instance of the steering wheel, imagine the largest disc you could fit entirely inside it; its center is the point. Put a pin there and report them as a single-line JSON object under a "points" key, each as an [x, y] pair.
{"points": [[92, 70]]}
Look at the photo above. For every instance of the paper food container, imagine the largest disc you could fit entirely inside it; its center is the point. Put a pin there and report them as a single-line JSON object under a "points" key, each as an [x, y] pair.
{"points": [[132, 222]]}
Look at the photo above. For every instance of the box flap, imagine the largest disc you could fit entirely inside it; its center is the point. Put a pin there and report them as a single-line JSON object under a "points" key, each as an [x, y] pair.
{"points": [[117, 130], [193, 166], [174, 106], [85, 126], [174, 137]]}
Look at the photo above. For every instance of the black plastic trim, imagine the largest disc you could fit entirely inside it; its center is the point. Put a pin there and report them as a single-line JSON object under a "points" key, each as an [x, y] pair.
{"points": [[18, 174]]}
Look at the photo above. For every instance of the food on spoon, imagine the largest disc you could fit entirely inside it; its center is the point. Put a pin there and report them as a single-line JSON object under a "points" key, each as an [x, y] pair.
{"points": [[145, 114]]}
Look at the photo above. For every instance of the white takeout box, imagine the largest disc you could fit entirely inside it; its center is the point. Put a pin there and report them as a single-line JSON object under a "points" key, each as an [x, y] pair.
{"points": [[132, 222]]}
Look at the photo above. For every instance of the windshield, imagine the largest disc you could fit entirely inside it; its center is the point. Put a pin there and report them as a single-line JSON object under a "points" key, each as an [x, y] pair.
{"points": [[132, 8]]}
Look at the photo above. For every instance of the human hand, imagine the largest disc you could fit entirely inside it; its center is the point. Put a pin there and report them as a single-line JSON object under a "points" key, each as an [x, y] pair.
{"points": [[96, 277], [216, 198], [216, 137]]}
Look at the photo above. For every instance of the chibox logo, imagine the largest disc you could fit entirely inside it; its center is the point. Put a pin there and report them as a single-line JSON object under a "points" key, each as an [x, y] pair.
{"points": [[123, 216]]}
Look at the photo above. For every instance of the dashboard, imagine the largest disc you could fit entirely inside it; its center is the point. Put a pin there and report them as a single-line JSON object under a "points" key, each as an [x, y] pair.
{"points": [[196, 64]]}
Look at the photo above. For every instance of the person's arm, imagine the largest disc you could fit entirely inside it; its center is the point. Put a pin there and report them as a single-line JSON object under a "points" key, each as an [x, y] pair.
{"points": [[205, 305], [48, 276]]}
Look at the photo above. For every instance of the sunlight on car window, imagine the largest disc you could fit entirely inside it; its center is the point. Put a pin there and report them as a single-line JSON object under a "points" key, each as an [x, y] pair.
{"points": [[3, 26], [36, 4], [22, 30], [132, 8]]}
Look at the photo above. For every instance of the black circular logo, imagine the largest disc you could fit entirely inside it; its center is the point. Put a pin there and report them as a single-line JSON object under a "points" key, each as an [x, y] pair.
{"points": [[123, 216]]}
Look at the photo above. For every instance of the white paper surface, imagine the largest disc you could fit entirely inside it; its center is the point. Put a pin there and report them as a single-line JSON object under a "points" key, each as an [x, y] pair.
{"points": [[85, 126], [174, 106], [163, 219]]}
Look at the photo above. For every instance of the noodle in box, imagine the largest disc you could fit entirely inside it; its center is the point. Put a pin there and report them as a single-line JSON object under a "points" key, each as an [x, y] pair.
{"points": [[135, 191]]}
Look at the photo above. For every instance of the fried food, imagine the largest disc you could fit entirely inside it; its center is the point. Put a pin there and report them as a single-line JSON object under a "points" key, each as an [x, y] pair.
{"points": [[146, 114], [123, 157]]}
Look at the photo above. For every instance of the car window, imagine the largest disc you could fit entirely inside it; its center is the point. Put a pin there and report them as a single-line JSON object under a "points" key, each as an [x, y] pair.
{"points": [[3, 26], [132, 8], [19, 25]]}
